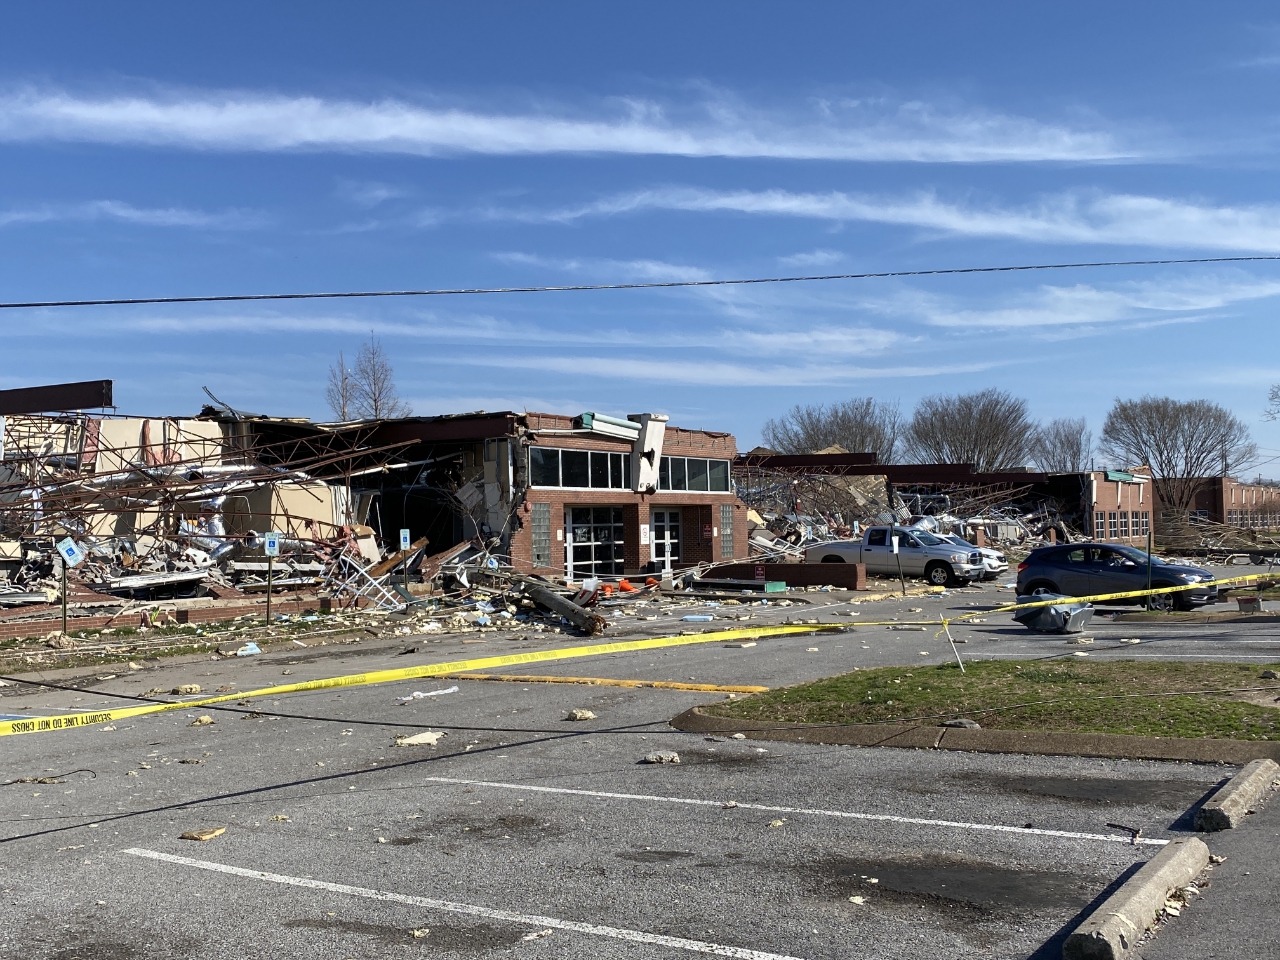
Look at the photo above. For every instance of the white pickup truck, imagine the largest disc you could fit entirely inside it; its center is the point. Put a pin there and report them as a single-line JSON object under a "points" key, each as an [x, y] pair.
{"points": [[922, 555]]}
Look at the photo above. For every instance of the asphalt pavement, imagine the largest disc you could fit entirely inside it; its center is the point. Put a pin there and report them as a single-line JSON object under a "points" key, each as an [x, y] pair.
{"points": [[524, 834]]}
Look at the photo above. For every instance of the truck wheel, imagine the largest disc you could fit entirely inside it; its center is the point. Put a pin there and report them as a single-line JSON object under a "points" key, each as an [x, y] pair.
{"points": [[939, 574], [832, 558]]}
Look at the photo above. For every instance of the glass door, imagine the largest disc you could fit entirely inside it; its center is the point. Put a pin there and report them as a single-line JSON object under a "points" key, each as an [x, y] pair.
{"points": [[593, 542], [665, 537]]}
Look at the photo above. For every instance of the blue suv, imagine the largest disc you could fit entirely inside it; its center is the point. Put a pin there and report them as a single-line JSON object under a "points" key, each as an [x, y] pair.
{"points": [[1085, 569]]}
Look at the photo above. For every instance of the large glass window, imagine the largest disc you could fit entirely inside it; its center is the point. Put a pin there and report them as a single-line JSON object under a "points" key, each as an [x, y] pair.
{"points": [[693, 473], [591, 469], [697, 470], [1099, 526], [544, 467], [599, 469], [718, 475], [574, 469]]}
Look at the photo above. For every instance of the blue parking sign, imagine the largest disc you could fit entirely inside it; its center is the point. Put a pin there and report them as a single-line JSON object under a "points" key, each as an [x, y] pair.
{"points": [[70, 552]]}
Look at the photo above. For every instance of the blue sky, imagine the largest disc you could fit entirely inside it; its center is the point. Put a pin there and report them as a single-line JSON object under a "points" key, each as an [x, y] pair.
{"points": [[171, 150]]}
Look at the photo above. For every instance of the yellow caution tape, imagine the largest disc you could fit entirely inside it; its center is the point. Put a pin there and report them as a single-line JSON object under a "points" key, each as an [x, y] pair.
{"points": [[608, 682], [74, 720], [71, 721]]}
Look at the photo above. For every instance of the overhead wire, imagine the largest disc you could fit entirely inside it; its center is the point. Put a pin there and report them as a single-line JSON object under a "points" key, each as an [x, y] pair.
{"points": [[651, 285]]}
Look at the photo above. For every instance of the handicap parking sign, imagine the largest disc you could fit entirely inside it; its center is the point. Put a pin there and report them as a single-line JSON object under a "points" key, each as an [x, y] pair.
{"points": [[70, 551]]}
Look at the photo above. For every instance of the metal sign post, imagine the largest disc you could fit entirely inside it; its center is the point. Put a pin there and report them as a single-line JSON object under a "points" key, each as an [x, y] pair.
{"points": [[72, 556], [405, 543], [271, 547], [897, 556], [1149, 566]]}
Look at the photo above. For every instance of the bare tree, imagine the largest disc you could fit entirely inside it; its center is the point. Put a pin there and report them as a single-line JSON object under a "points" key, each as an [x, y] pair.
{"points": [[341, 390], [1183, 442], [989, 429], [1273, 403], [375, 384], [860, 425], [1063, 446]]}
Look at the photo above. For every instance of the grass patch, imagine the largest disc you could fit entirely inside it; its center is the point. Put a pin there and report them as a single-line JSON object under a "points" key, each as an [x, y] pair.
{"points": [[1001, 695]]}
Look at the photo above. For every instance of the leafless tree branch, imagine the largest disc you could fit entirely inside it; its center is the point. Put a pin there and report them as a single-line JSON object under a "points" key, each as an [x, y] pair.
{"points": [[1063, 446], [860, 425], [341, 390], [989, 429], [375, 384], [1183, 442]]}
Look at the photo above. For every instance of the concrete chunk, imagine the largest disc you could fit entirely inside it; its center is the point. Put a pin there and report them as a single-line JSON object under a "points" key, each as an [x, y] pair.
{"points": [[1233, 802]]}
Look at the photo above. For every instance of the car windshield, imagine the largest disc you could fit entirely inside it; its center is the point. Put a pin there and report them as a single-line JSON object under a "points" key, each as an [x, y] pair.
{"points": [[1136, 555], [960, 541], [928, 539]]}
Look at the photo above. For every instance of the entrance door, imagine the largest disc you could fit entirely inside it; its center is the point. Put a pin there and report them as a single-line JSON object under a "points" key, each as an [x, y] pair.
{"points": [[593, 542], [665, 539]]}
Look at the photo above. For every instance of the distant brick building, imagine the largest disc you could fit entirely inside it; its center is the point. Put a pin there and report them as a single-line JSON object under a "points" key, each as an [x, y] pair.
{"points": [[1226, 500], [1119, 504]]}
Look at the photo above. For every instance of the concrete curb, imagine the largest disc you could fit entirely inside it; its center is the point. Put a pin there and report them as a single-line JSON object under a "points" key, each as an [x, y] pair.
{"points": [[1235, 800], [1113, 746], [1111, 930]]}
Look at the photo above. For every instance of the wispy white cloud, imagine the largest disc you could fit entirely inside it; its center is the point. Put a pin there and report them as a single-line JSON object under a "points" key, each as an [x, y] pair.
{"points": [[716, 126], [753, 374], [651, 270], [127, 213], [1064, 218], [1081, 306], [814, 258], [369, 193]]}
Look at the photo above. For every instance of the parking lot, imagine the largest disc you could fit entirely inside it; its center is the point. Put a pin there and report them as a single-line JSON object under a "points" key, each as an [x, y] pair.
{"points": [[524, 834]]}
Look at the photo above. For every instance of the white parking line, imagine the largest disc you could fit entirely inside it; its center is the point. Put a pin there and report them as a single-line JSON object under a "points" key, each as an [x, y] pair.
{"points": [[532, 920], [846, 814]]}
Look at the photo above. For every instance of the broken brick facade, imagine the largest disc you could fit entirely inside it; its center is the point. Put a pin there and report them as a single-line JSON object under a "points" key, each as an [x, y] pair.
{"points": [[612, 530]]}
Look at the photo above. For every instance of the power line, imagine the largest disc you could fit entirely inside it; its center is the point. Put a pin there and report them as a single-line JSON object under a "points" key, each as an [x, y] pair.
{"points": [[460, 291]]}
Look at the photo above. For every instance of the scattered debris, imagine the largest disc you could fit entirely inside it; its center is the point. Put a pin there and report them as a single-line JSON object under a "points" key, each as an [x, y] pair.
{"points": [[203, 720], [419, 695], [536, 936], [419, 933], [662, 756], [186, 690], [429, 739], [579, 714], [964, 722], [202, 835]]}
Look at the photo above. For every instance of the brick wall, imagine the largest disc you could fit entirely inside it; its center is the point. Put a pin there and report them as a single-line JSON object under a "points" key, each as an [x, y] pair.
{"points": [[695, 510], [1122, 505]]}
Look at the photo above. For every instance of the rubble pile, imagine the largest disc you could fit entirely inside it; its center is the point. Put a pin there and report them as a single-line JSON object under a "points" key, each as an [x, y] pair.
{"points": [[789, 514]]}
